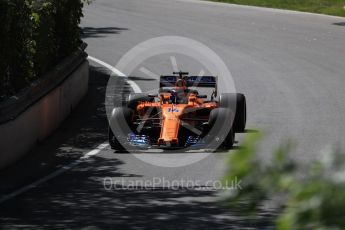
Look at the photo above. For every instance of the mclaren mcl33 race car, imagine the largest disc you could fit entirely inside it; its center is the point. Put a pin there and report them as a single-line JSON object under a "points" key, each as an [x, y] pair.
{"points": [[178, 116]]}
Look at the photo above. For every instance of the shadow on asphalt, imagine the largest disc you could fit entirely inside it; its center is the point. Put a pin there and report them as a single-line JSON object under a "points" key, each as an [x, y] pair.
{"points": [[251, 131], [136, 78], [98, 32], [339, 23], [78, 200]]}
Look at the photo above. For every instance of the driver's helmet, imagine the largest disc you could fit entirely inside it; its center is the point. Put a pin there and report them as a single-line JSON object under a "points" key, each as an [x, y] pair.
{"points": [[173, 96], [181, 84]]}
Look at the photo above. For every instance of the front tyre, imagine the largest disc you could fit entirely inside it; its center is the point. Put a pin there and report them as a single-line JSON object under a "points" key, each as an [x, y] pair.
{"points": [[114, 142], [120, 125], [221, 119]]}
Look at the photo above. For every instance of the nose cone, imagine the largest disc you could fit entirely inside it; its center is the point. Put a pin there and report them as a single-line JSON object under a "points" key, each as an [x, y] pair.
{"points": [[170, 124]]}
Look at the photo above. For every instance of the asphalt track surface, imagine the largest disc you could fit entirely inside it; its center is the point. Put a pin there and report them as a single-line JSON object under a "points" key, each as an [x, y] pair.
{"points": [[290, 65]]}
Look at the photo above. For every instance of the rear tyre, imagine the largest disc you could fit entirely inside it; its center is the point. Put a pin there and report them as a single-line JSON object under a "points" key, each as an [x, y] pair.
{"points": [[235, 102]]}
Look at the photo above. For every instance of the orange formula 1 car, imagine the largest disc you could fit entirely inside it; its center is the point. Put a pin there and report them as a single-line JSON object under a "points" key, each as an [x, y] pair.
{"points": [[178, 116]]}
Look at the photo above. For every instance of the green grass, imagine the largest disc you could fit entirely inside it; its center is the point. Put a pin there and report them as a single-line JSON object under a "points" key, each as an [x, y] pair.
{"points": [[330, 7]]}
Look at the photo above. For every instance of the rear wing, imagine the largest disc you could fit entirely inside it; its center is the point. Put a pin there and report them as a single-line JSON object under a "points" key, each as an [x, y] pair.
{"points": [[192, 81], [202, 81], [167, 81]]}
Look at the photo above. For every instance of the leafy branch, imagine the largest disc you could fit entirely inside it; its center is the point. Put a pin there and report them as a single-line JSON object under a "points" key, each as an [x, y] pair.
{"points": [[314, 193]]}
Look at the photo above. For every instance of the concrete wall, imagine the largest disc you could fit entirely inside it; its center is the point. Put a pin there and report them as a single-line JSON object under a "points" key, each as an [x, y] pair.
{"points": [[39, 120]]}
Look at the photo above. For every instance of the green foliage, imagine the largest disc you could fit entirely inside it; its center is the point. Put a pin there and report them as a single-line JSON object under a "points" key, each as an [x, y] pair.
{"points": [[331, 7], [16, 45], [34, 36], [314, 192]]}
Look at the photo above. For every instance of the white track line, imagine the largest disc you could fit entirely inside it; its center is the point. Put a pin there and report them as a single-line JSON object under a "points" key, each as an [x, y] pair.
{"points": [[106, 65], [88, 155], [55, 173], [117, 72]]}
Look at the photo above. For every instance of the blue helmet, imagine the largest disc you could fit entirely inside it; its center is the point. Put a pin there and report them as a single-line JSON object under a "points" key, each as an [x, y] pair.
{"points": [[173, 96]]}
